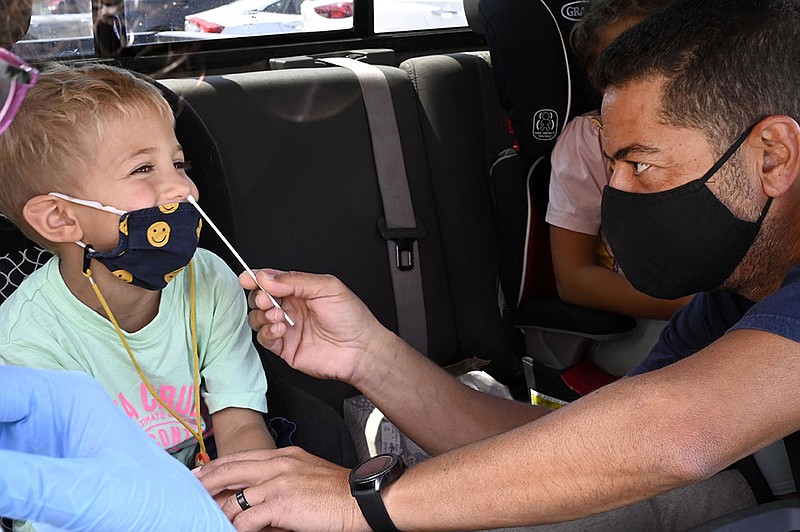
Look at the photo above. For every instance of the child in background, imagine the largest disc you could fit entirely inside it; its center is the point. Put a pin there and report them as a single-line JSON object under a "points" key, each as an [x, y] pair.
{"points": [[92, 170], [584, 266]]}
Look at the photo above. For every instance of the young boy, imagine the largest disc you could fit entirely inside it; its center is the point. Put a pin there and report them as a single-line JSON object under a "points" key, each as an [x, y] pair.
{"points": [[92, 170]]}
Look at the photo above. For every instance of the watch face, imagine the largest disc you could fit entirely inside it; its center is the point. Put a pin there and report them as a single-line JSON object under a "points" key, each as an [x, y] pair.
{"points": [[373, 467]]}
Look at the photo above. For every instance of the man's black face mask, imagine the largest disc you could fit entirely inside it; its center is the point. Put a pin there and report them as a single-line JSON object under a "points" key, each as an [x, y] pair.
{"points": [[680, 241]]}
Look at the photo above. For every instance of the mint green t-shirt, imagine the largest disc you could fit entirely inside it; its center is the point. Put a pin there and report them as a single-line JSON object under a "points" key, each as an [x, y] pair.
{"points": [[43, 325]]}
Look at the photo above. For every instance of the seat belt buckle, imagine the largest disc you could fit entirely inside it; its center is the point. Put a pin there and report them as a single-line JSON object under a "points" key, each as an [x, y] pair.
{"points": [[404, 239], [405, 253]]}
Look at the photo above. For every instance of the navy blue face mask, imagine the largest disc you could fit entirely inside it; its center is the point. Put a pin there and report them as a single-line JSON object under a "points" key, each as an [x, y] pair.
{"points": [[155, 244], [680, 241]]}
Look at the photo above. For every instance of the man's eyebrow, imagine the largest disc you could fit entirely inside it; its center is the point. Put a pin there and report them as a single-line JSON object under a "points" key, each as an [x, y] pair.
{"points": [[633, 149]]}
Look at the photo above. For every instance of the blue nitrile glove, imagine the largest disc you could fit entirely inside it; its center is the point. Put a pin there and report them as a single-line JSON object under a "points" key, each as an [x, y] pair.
{"points": [[71, 459]]}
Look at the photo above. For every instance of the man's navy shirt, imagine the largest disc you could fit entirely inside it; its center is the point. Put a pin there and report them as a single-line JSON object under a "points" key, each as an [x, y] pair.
{"points": [[711, 314]]}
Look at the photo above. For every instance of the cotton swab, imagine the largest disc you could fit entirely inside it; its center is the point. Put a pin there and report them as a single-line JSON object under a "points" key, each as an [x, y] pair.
{"points": [[191, 200]]}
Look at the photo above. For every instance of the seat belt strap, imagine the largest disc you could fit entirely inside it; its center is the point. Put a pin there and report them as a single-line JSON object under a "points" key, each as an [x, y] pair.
{"points": [[749, 469], [792, 445], [399, 227]]}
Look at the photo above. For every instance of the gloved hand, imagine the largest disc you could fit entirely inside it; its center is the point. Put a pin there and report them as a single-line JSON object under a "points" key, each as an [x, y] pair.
{"points": [[71, 459]]}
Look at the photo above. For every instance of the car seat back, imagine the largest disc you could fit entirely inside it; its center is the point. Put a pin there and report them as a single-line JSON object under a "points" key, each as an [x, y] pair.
{"points": [[298, 158], [463, 127], [538, 82]]}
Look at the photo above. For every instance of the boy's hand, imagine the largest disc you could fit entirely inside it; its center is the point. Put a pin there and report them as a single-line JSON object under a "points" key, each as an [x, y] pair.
{"points": [[72, 460]]}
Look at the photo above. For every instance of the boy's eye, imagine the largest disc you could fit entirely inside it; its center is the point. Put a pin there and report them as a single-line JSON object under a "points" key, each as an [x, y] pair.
{"points": [[639, 168], [144, 169], [183, 165]]}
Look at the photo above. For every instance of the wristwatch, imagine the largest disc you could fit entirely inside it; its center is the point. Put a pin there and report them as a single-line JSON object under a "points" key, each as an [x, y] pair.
{"points": [[366, 481]]}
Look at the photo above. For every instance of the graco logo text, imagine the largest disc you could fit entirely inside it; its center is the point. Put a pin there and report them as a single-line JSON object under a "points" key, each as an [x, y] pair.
{"points": [[573, 10], [545, 124]]}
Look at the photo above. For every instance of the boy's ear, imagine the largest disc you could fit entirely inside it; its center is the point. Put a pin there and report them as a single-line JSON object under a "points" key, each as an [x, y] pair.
{"points": [[778, 145], [52, 219]]}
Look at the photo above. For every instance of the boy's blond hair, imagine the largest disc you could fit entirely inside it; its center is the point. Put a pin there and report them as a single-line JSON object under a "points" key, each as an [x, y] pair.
{"points": [[59, 127]]}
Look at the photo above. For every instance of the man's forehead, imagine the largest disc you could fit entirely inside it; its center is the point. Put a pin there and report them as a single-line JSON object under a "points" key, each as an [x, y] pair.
{"points": [[634, 103], [633, 128], [631, 116]]}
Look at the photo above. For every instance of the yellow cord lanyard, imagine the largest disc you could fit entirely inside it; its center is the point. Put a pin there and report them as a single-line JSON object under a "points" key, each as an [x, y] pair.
{"points": [[202, 457]]}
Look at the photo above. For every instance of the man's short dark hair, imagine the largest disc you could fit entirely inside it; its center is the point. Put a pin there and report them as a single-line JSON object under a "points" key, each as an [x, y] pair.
{"points": [[727, 63]]}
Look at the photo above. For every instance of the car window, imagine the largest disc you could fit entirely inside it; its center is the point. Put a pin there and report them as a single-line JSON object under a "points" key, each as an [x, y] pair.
{"points": [[71, 29], [60, 28], [290, 7]]}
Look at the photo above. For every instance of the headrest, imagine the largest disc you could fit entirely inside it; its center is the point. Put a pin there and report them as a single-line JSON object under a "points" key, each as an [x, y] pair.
{"points": [[473, 16], [538, 82]]}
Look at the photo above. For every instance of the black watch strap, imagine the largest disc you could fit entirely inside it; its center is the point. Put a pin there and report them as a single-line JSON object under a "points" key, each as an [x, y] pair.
{"points": [[374, 510], [366, 481]]}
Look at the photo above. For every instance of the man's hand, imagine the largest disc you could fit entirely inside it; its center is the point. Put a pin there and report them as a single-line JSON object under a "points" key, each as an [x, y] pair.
{"points": [[286, 488], [72, 460], [333, 328]]}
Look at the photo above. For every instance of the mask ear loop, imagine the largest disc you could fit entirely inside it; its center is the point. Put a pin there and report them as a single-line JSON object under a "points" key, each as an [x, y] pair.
{"points": [[88, 203], [727, 155], [202, 457], [724, 159]]}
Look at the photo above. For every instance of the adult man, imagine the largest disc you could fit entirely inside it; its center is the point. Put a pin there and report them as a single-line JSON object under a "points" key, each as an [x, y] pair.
{"points": [[680, 90]]}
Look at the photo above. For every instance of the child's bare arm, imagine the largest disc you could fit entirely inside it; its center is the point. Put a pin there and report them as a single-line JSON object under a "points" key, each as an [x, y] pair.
{"points": [[582, 281], [240, 429]]}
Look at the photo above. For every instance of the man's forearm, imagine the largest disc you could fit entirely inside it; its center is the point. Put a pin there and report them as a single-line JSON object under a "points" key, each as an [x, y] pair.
{"points": [[429, 405], [551, 470], [626, 442]]}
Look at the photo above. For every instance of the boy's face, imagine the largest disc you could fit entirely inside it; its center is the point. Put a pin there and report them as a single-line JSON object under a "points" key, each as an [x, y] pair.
{"points": [[138, 164]]}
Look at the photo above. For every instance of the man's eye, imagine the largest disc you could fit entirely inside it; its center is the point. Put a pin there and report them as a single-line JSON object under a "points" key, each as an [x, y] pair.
{"points": [[611, 164], [639, 168]]}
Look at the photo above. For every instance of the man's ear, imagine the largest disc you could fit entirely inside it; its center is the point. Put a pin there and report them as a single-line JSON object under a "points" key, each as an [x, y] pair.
{"points": [[52, 219], [777, 141]]}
